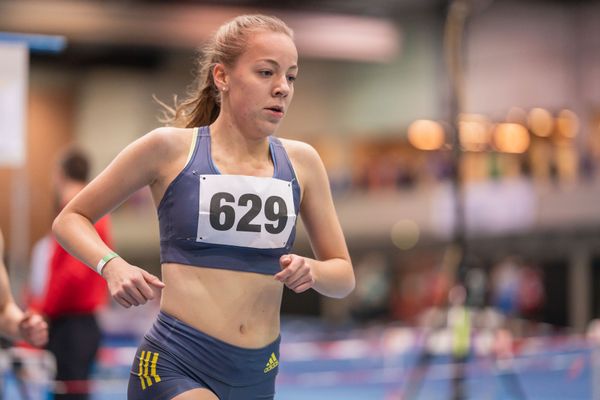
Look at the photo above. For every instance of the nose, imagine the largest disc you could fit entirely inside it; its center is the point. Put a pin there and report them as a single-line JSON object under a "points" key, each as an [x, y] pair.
{"points": [[281, 87]]}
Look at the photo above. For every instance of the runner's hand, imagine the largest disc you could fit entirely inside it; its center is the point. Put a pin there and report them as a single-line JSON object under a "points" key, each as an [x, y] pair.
{"points": [[130, 285], [296, 273]]}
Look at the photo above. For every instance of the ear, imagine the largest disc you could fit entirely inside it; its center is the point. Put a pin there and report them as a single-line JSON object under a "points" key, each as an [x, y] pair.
{"points": [[220, 76]]}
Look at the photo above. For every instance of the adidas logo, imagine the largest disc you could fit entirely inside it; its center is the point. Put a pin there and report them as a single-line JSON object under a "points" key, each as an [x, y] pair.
{"points": [[147, 369], [272, 363]]}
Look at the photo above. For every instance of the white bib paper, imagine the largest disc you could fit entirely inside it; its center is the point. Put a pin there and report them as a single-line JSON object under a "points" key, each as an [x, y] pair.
{"points": [[245, 211]]}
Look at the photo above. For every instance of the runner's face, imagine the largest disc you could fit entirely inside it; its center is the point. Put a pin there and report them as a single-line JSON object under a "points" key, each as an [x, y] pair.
{"points": [[261, 83]]}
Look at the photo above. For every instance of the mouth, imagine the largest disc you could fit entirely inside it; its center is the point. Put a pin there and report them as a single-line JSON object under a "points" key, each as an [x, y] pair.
{"points": [[278, 110]]}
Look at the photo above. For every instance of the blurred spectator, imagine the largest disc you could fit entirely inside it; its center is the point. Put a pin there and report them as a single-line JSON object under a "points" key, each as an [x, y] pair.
{"points": [[437, 286], [531, 292], [407, 297], [74, 292], [439, 165], [460, 325], [505, 286], [476, 284], [370, 297]]}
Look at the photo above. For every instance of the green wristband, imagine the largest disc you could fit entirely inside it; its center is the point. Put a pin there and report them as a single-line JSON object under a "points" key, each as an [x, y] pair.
{"points": [[104, 260]]}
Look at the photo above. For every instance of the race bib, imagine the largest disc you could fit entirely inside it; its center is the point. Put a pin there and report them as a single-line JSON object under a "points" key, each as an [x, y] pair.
{"points": [[245, 211]]}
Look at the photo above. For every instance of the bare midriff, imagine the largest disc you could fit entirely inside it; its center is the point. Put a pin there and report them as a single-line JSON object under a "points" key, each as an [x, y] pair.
{"points": [[240, 308]]}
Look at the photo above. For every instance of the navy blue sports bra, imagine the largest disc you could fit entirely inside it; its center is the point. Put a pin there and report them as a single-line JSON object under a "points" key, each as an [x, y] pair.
{"points": [[234, 222]]}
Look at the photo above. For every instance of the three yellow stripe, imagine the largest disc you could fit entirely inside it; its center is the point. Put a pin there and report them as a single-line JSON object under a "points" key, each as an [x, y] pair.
{"points": [[145, 378]]}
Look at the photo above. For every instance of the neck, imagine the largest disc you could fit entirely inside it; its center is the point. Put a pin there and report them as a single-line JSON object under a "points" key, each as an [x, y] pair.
{"points": [[239, 145]]}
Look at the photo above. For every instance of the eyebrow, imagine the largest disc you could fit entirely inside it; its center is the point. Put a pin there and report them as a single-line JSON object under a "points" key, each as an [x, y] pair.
{"points": [[276, 64]]}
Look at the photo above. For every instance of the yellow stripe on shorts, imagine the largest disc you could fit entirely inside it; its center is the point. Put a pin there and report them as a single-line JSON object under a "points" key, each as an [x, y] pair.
{"points": [[140, 370]]}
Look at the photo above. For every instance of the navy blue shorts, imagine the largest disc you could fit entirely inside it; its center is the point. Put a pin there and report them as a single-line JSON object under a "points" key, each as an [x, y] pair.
{"points": [[175, 357]]}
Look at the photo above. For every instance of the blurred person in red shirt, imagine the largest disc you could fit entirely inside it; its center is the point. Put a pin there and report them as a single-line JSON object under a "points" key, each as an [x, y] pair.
{"points": [[74, 292]]}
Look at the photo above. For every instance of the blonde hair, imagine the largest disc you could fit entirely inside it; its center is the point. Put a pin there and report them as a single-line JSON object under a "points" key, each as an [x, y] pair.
{"points": [[202, 105]]}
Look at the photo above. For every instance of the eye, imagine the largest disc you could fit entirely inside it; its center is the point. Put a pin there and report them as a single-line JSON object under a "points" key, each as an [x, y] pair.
{"points": [[265, 73], [291, 78]]}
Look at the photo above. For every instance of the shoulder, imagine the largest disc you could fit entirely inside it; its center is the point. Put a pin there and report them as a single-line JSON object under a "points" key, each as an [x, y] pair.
{"points": [[168, 138], [307, 164], [162, 144], [152, 154], [300, 152]]}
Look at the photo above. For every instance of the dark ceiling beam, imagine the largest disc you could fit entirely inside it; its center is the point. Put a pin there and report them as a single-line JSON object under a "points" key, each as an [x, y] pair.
{"points": [[189, 25]]}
